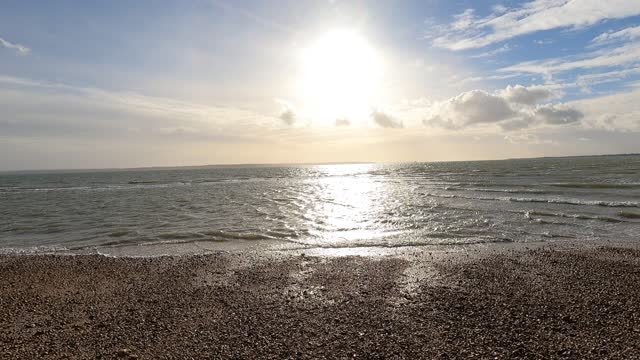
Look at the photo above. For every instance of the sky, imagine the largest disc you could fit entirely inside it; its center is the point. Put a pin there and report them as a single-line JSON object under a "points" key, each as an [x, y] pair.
{"points": [[95, 84]]}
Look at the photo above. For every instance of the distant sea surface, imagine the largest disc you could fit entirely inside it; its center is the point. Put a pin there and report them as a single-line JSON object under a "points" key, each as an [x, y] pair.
{"points": [[325, 206]]}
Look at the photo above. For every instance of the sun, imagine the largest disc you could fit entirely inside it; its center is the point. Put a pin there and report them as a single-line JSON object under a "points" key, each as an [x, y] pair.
{"points": [[340, 77]]}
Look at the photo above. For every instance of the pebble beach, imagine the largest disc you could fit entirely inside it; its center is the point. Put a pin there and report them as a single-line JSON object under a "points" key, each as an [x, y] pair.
{"points": [[516, 303]]}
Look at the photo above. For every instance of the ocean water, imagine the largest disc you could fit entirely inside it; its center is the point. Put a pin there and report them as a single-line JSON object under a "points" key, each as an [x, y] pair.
{"points": [[325, 206]]}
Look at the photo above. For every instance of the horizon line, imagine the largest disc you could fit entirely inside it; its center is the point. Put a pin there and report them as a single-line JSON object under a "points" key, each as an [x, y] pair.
{"points": [[249, 165]]}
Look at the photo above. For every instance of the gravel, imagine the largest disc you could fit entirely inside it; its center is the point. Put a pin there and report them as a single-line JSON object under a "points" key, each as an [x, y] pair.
{"points": [[533, 304]]}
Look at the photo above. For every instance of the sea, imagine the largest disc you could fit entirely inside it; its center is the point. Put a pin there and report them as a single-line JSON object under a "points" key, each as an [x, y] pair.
{"points": [[329, 206]]}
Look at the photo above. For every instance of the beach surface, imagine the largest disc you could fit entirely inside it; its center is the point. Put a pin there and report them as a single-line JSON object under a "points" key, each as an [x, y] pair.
{"points": [[542, 302]]}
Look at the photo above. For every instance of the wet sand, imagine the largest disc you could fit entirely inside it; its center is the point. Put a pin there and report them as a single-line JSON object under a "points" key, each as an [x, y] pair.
{"points": [[537, 303]]}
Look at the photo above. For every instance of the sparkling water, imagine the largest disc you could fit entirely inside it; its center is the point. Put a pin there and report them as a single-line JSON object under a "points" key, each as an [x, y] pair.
{"points": [[326, 206]]}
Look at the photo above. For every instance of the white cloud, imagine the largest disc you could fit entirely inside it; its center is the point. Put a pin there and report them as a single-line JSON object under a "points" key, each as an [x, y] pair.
{"points": [[469, 32], [629, 33], [583, 81], [527, 95], [499, 9], [503, 49], [463, 21], [386, 120], [50, 110], [627, 54], [472, 79], [511, 109], [20, 49], [612, 57], [605, 77], [604, 65], [617, 112]]}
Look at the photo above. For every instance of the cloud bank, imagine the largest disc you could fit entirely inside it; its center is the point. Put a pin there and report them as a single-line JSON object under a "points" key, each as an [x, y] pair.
{"points": [[615, 113], [513, 108], [33, 109]]}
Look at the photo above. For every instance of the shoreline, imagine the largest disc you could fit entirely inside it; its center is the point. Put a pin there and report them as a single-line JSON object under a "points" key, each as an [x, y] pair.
{"points": [[278, 248], [547, 300]]}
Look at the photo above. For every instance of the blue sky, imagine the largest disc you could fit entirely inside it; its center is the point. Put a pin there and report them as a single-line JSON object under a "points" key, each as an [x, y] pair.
{"points": [[88, 84]]}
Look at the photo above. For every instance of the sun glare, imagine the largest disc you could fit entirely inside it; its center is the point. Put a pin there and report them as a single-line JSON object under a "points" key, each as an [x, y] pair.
{"points": [[340, 77]]}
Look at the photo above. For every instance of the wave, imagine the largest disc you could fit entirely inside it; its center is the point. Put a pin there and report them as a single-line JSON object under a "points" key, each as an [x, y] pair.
{"points": [[510, 191], [400, 244], [223, 235], [629, 214], [595, 185], [112, 187], [578, 185], [219, 235], [213, 236], [120, 233], [35, 189], [494, 184], [576, 202], [580, 202], [530, 214], [179, 235], [160, 239], [133, 184], [113, 243]]}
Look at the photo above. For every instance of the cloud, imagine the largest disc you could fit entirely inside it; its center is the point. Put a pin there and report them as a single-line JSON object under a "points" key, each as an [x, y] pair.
{"points": [[555, 115], [464, 20], [287, 114], [605, 77], [526, 95], [468, 31], [618, 112], [503, 49], [32, 109], [385, 120], [178, 130], [343, 122], [627, 54], [629, 33], [531, 139], [512, 108], [20, 49], [269, 23], [515, 124], [469, 108], [499, 9]]}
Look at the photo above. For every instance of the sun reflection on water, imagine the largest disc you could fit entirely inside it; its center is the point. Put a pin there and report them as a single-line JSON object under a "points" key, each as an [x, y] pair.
{"points": [[350, 203]]}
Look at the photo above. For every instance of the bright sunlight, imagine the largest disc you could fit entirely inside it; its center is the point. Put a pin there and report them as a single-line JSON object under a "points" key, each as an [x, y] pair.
{"points": [[340, 77]]}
